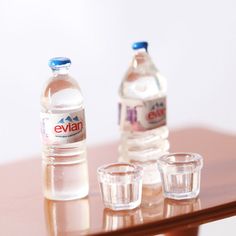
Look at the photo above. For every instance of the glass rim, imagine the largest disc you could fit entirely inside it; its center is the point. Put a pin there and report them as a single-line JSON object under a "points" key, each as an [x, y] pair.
{"points": [[193, 159], [104, 169]]}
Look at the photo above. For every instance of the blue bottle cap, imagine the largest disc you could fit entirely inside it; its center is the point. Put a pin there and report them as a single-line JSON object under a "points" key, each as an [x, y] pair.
{"points": [[139, 45], [59, 61]]}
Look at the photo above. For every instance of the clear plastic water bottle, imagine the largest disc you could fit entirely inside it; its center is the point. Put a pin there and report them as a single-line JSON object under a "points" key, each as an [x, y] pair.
{"points": [[63, 131], [142, 114]]}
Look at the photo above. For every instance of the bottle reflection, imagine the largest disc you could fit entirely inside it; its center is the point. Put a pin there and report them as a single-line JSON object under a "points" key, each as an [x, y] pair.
{"points": [[113, 220], [67, 218], [152, 203], [175, 208]]}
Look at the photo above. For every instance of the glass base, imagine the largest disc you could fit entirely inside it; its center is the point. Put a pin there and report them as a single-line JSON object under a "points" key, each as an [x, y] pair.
{"points": [[181, 196], [121, 207]]}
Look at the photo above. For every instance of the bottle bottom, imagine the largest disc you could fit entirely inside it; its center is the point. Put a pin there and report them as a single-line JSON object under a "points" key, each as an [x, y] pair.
{"points": [[144, 149], [65, 180], [151, 174]]}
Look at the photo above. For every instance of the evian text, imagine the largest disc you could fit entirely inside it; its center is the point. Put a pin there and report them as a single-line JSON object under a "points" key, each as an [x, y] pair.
{"points": [[69, 127], [156, 114]]}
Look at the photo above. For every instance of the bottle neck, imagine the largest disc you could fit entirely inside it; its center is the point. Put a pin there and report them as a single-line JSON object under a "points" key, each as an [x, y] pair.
{"points": [[140, 50], [60, 70], [140, 57]]}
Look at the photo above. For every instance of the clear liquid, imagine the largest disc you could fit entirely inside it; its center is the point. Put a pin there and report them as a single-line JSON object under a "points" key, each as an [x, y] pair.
{"points": [[65, 168], [143, 83], [144, 146], [151, 174], [121, 196], [181, 185], [65, 175]]}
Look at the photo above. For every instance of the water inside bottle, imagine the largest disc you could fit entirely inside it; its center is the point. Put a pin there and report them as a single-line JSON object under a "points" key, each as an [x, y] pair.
{"points": [[64, 134], [65, 178]]}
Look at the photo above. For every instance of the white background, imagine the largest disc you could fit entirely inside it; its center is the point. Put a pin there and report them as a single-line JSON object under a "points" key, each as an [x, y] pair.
{"points": [[191, 42], [221, 227]]}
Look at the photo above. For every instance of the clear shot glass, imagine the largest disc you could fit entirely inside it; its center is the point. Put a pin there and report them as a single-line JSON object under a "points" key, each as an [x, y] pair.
{"points": [[120, 185], [180, 174]]}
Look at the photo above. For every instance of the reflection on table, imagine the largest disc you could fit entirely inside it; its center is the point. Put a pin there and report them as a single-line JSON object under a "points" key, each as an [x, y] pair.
{"points": [[153, 207], [67, 217], [152, 203], [179, 207], [113, 220]]}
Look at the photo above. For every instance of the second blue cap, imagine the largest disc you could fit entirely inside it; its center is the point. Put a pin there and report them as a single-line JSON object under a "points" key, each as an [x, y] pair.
{"points": [[140, 45], [59, 61]]}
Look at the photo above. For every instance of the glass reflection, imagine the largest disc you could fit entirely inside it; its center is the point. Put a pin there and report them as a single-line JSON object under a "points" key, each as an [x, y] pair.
{"points": [[67, 217], [152, 203], [175, 208], [113, 220]]}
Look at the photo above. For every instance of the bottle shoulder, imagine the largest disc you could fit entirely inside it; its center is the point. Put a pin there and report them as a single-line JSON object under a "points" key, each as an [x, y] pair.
{"points": [[61, 92], [142, 79], [55, 84], [143, 86]]}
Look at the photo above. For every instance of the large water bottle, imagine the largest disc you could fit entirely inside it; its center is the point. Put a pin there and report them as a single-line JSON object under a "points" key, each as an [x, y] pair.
{"points": [[63, 131], [142, 114]]}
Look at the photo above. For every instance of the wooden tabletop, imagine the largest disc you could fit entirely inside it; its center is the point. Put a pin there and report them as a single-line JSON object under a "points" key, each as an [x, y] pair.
{"points": [[24, 211]]}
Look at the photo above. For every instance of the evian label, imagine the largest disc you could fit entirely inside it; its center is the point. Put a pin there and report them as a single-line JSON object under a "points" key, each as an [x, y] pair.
{"points": [[142, 116], [63, 128]]}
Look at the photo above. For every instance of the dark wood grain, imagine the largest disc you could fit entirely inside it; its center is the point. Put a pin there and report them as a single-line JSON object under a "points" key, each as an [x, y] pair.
{"points": [[24, 211]]}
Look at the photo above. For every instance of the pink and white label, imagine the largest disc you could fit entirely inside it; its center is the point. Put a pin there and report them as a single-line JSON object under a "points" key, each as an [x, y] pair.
{"points": [[63, 128], [143, 116]]}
